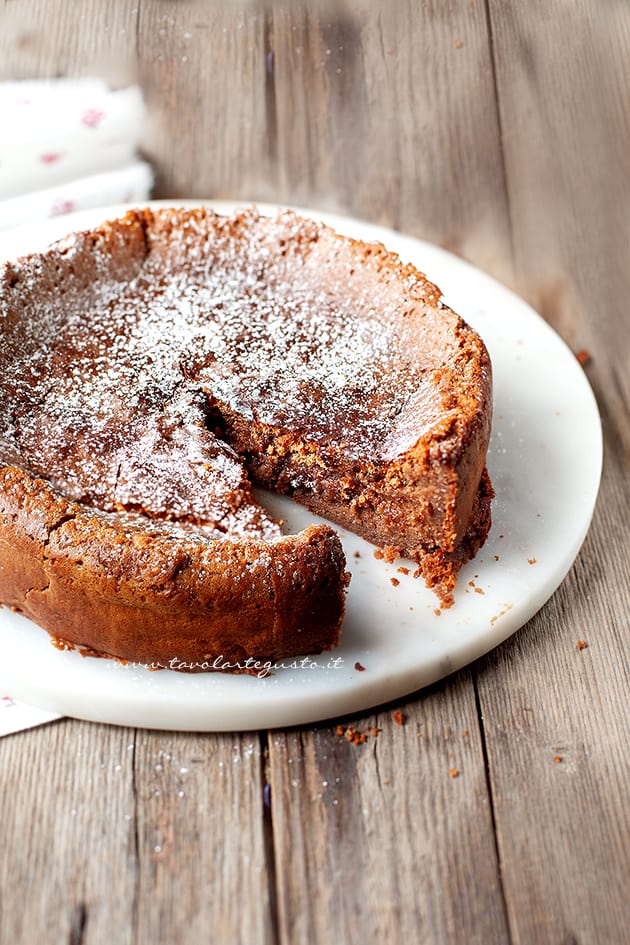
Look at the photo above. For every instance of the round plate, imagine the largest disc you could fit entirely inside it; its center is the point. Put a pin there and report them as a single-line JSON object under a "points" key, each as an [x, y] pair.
{"points": [[545, 463]]}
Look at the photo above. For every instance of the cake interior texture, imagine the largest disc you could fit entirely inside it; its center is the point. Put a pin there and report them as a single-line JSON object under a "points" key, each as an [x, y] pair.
{"points": [[154, 368]]}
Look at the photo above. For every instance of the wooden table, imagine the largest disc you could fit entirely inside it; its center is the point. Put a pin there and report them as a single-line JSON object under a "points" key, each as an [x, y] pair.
{"points": [[501, 131]]}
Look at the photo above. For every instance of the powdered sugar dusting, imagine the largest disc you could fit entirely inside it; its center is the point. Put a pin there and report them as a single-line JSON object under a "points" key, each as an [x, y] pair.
{"points": [[107, 377]]}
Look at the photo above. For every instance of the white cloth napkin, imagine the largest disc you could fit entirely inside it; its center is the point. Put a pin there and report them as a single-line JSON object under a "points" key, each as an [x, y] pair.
{"points": [[16, 716], [69, 144], [65, 144]]}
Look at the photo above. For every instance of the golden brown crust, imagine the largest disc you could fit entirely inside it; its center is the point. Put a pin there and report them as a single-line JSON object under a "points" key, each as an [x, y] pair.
{"points": [[94, 581], [149, 367]]}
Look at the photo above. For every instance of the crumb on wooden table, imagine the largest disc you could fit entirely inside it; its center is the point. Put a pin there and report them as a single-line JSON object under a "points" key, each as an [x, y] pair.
{"points": [[458, 43], [583, 357], [557, 759], [453, 772], [351, 734], [582, 645], [398, 717]]}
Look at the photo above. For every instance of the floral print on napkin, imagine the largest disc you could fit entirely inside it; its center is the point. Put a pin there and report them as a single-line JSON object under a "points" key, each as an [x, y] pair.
{"points": [[73, 145], [17, 716]]}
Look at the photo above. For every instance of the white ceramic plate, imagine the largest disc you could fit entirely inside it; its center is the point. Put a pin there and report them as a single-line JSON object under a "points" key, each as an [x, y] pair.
{"points": [[544, 461]]}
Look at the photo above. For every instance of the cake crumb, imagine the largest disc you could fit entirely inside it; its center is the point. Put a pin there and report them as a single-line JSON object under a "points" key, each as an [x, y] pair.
{"points": [[501, 536], [496, 557], [386, 782], [557, 759], [582, 645], [501, 613], [357, 554], [437, 611], [351, 734], [531, 561], [398, 717], [359, 667], [457, 43], [403, 570], [479, 590], [583, 356], [378, 554], [394, 582], [465, 732], [471, 584], [454, 772], [375, 731]]}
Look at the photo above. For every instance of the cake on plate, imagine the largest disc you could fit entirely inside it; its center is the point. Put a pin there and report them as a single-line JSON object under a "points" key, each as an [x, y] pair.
{"points": [[154, 368]]}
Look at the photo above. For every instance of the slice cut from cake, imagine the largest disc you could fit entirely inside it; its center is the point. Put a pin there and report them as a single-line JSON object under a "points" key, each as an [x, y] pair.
{"points": [[153, 368]]}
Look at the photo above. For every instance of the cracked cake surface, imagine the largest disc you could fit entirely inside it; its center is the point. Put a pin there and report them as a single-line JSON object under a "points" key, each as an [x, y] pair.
{"points": [[151, 369]]}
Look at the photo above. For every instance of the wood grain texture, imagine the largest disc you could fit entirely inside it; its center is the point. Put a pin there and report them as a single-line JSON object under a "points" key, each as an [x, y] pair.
{"points": [[387, 113], [562, 826], [382, 841], [67, 811], [203, 69], [109, 834], [60, 38], [201, 844], [501, 131]]}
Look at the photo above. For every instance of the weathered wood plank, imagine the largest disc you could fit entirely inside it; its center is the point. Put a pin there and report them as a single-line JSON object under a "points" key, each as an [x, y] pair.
{"points": [[114, 835], [58, 38], [201, 845], [388, 112], [380, 842], [556, 727], [67, 810], [562, 825], [203, 70]]}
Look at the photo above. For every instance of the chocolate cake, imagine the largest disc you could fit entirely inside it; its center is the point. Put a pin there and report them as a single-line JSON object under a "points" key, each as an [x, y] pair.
{"points": [[155, 367]]}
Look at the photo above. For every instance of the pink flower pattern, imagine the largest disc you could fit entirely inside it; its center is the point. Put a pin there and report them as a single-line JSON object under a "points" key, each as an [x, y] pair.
{"points": [[62, 206], [50, 157], [92, 117]]}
